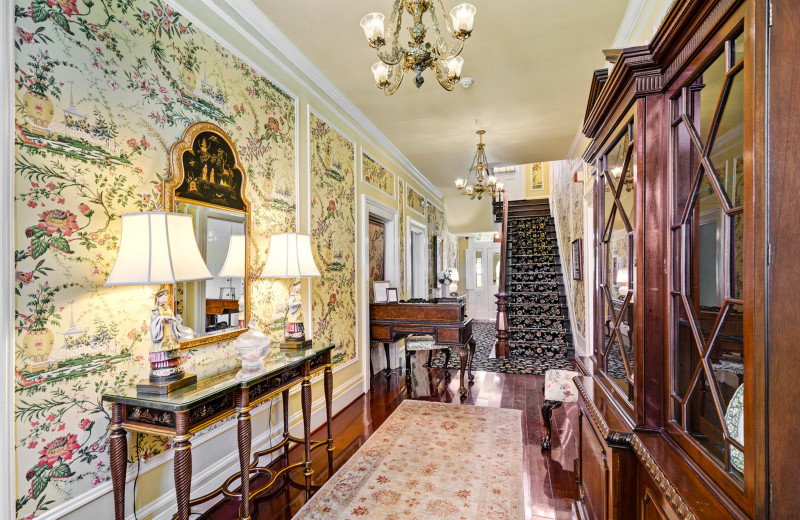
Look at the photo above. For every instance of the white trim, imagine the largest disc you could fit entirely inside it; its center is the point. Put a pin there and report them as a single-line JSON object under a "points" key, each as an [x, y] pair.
{"points": [[405, 201], [372, 186], [262, 28], [629, 22], [422, 227], [370, 206], [8, 490], [588, 266]]}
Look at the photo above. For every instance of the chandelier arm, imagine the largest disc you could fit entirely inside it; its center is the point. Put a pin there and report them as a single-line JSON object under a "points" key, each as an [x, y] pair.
{"points": [[441, 48], [397, 53], [441, 75], [396, 74]]}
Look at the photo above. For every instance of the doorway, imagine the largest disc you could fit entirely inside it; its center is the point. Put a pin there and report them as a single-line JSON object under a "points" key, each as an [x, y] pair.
{"points": [[482, 276], [417, 261]]}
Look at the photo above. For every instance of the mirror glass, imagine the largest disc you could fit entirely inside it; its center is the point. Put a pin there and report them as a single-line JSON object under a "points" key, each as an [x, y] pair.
{"points": [[217, 305]]}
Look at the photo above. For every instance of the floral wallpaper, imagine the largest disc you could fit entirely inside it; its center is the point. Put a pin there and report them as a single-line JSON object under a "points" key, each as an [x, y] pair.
{"points": [[437, 227], [102, 91], [374, 174], [567, 198], [333, 231], [415, 201], [537, 176], [377, 254]]}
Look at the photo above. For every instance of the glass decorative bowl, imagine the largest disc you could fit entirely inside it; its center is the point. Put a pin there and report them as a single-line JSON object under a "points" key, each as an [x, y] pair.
{"points": [[251, 348]]}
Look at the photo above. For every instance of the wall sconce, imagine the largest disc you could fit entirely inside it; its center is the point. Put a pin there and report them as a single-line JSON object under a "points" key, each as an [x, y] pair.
{"points": [[622, 281]]}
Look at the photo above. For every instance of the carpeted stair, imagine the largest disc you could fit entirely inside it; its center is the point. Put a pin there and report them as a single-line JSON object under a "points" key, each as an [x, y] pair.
{"points": [[538, 318]]}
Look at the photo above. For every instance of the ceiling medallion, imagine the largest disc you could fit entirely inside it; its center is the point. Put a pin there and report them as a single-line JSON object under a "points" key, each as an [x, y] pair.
{"points": [[484, 180], [441, 56]]}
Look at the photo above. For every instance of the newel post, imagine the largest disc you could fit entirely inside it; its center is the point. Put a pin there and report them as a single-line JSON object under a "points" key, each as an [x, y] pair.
{"points": [[501, 347]]}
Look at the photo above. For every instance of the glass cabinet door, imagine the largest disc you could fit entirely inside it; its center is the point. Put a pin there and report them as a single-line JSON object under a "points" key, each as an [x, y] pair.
{"points": [[708, 224], [617, 260]]}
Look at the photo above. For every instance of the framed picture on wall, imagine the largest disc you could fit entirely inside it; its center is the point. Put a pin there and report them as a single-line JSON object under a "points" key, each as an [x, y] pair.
{"points": [[379, 291], [577, 259], [391, 295]]}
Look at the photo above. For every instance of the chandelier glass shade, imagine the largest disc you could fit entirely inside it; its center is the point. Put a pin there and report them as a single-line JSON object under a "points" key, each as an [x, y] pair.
{"points": [[484, 181], [440, 55]]}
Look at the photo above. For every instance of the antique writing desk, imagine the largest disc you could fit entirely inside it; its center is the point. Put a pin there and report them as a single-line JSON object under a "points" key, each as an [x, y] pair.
{"points": [[445, 320], [184, 412]]}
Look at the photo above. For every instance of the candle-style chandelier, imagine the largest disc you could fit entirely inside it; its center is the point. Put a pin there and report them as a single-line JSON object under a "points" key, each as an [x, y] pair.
{"points": [[484, 180], [441, 56]]}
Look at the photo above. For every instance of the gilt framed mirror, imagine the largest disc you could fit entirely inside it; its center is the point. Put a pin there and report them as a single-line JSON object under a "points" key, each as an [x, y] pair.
{"points": [[208, 183]]}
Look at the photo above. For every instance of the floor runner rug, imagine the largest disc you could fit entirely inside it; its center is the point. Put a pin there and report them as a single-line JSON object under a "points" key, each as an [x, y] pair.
{"points": [[485, 334], [430, 460]]}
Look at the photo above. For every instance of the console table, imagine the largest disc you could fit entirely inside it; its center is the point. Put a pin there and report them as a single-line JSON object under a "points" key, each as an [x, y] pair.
{"points": [[186, 411], [445, 320]]}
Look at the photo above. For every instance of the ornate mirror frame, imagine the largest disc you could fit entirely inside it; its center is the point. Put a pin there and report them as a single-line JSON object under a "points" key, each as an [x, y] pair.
{"points": [[170, 198]]}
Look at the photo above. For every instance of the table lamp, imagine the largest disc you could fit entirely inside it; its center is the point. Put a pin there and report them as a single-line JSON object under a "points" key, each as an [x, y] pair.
{"points": [[290, 257], [622, 281], [234, 267], [158, 248], [454, 282]]}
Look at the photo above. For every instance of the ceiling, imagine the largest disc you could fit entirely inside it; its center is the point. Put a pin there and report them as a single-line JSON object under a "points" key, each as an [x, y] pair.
{"points": [[531, 61]]}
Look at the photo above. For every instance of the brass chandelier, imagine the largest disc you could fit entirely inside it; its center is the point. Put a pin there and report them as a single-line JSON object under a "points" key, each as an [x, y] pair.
{"points": [[485, 182], [441, 56]]}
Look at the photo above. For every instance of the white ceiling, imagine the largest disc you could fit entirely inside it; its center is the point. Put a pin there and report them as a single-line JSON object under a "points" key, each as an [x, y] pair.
{"points": [[531, 60]]}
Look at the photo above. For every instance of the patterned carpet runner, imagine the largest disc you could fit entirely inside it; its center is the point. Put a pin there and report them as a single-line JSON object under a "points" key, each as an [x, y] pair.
{"points": [[537, 308], [430, 460]]}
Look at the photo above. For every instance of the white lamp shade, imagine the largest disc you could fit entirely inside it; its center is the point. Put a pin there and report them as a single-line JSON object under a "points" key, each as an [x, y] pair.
{"points": [[463, 16], [380, 71], [622, 276], [454, 67], [234, 262], [157, 248], [373, 26], [454, 274], [290, 257]]}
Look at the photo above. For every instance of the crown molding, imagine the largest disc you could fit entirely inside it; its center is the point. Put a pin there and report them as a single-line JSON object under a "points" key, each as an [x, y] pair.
{"points": [[258, 29]]}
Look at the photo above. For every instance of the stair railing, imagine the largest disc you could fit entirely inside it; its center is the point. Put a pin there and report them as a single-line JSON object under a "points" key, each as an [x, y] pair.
{"points": [[501, 347]]}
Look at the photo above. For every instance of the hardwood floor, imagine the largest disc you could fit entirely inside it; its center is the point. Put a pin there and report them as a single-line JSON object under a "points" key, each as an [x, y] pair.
{"points": [[549, 477]]}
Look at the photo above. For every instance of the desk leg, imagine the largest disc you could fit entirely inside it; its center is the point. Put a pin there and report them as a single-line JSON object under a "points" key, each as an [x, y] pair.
{"points": [[244, 429], [462, 354], [388, 370], [471, 358], [182, 464], [119, 458], [305, 394], [329, 408]]}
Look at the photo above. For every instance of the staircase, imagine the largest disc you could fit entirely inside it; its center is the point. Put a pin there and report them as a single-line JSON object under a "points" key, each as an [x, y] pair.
{"points": [[538, 317]]}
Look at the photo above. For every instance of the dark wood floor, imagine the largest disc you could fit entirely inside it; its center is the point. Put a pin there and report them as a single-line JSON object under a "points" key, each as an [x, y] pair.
{"points": [[549, 477]]}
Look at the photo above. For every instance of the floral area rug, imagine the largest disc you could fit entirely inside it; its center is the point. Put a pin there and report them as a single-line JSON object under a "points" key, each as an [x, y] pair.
{"points": [[484, 334], [430, 460]]}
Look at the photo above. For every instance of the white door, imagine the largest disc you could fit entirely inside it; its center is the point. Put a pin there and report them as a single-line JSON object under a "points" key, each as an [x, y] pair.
{"points": [[482, 272]]}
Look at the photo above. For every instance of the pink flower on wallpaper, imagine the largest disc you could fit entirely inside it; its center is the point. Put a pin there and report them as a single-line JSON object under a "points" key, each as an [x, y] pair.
{"points": [[59, 448], [58, 220], [85, 424], [32, 204], [25, 35], [67, 6], [24, 277]]}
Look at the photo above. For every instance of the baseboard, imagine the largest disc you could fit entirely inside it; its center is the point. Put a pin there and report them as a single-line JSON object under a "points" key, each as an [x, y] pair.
{"points": [[97, 502]]}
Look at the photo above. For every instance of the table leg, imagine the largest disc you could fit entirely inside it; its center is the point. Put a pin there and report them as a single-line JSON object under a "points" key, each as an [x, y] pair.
{"points": [[305, 394], [182, 464], [388, 365], [471, 358], [244, 430], [462, 354], [285, 395], [329, 408], [119, 458]]}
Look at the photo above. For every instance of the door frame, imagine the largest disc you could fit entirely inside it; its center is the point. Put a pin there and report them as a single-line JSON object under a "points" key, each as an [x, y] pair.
{"points": [[388, 217], [413, 225]]}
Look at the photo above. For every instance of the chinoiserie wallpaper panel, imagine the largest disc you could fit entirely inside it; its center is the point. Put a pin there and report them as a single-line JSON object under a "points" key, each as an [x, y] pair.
{"points": [[377, 254], [102, 91], [376, 175], [333, 231]]}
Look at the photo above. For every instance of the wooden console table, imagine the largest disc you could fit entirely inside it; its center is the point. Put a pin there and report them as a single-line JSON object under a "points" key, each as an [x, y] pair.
{"points": [[446, 321], [184, 412]]}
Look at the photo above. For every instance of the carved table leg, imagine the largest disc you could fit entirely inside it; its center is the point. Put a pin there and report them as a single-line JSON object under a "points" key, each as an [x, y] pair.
{"points": [[547, 416], [119, 458], [244, 430], [182, 464], [329, 408], [285, 395], [471, 358], [462, 354], [447, 363], [388, 370], [305, 395]]}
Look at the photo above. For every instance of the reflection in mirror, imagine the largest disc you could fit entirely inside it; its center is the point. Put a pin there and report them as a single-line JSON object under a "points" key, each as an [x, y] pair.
{"points": [[496, 269], [217, 305]]}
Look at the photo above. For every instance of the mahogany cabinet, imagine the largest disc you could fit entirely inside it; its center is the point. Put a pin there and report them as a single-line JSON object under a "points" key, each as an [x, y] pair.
{"points": [[691, 312]]}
